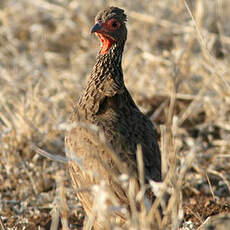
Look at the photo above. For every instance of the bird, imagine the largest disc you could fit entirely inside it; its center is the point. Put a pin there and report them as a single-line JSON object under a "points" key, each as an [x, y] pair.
{"points": [[106, 126]]}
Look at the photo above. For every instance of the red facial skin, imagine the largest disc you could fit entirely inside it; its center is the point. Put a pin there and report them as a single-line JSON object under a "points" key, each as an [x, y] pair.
{"points": [[106, 41], [103, 33]]}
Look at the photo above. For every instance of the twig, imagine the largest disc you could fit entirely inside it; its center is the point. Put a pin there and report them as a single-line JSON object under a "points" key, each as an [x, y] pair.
{"points": [[50, 156], [2, 227], [214, 172], [204, 47], [210, 186]]}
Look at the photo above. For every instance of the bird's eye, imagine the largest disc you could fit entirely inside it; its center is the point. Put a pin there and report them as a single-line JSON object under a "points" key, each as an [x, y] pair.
{"points": [[114, 25]]}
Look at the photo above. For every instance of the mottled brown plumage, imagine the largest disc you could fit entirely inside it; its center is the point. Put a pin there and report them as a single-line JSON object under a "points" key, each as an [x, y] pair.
{"points": [[107, 104]]}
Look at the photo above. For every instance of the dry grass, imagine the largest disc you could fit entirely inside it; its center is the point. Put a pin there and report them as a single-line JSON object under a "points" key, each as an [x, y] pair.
{"points": [[176, 65]]}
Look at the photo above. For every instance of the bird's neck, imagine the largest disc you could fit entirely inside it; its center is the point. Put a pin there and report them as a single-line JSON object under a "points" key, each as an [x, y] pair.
{"points": [[109, 63], [107, 67]]}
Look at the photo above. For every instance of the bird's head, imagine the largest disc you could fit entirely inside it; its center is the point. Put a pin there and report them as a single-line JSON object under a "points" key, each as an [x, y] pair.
{"points": [[110, 27]]}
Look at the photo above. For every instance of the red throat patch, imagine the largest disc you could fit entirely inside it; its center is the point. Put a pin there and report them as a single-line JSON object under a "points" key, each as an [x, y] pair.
{"points": [[106, 42]]}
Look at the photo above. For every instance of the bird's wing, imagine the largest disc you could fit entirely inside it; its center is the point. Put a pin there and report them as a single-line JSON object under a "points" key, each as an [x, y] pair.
{"points": [[150, 150]]}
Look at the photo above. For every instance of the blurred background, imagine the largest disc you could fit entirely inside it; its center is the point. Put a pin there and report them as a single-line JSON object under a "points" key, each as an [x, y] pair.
{"points": [[176, 66]]}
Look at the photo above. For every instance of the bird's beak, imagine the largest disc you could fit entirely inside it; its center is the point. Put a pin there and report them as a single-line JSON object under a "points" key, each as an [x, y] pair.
{"points": [[96, 28]]}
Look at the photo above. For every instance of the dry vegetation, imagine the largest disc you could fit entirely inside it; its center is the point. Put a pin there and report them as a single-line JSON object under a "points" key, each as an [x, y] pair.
{"points": [[177, 68]]}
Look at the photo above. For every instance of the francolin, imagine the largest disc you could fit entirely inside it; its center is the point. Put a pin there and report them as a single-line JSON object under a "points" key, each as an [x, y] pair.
{"points": [[107, 126]]}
